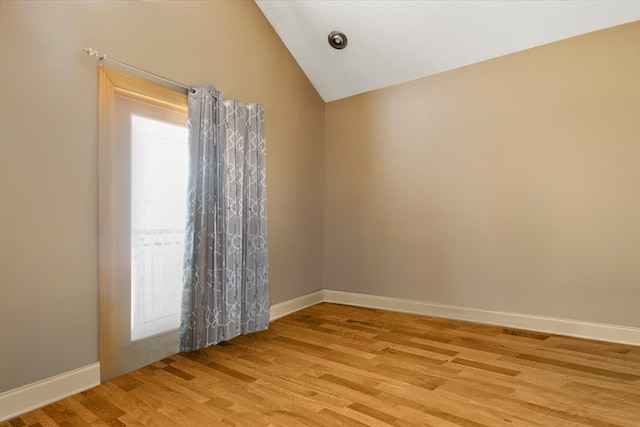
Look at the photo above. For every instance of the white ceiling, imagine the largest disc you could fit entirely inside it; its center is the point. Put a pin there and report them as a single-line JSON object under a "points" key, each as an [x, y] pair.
{"points": [[395, 41]]}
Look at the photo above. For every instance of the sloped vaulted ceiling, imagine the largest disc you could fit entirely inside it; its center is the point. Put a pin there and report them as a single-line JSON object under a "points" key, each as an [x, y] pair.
{"points": [[392, 41]]}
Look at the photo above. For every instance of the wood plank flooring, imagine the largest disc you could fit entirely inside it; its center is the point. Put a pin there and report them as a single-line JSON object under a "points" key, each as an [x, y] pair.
{"points": [[333, 365]]}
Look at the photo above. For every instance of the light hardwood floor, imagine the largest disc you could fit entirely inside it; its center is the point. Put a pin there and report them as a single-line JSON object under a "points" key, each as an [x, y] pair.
{"points": [[332, 365]]}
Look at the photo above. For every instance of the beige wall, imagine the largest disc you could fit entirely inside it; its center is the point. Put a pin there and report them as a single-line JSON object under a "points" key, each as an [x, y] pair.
{"points": [[509, 185], [48, 155]]}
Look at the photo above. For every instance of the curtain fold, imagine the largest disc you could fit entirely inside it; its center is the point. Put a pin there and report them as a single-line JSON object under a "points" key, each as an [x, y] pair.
{"points": [[226, 273]]}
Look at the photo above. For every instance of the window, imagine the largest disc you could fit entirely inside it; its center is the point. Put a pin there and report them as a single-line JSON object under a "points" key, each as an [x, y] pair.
{"points": [[158, 212], [142, 204]]}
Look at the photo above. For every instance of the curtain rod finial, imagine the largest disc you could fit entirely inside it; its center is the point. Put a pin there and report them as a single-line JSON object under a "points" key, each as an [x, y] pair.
{"points": [[90, 52]]}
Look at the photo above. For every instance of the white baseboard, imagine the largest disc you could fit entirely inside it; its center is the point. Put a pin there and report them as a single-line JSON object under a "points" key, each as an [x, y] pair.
{"points": [[32, 396], [16, 402], [574, 328], [291, 306]]}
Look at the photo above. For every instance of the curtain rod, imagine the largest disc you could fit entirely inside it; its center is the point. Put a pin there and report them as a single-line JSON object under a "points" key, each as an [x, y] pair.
{"points": [[102, 57]]}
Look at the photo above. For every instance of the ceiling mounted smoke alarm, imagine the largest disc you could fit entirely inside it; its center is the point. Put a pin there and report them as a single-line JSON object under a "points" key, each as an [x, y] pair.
{"points": [[337, 40]]}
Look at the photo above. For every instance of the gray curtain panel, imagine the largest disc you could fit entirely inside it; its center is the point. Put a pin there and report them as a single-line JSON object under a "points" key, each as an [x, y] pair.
{"points": [[226, 273]]}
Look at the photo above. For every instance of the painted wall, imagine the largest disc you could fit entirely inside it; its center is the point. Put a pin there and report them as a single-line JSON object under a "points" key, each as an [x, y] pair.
{"points": [[508, 185], [48, 156]]}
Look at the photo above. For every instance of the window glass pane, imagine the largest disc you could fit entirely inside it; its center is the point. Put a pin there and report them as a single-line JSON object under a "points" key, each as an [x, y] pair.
{"points": [[158, 210]]}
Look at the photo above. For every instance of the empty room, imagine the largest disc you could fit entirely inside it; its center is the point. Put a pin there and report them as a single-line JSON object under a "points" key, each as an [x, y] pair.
{"points": [[319, 213]]}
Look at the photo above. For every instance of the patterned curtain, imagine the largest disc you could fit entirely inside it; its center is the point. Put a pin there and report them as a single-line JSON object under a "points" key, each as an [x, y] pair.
{"points": [[226, 274]]}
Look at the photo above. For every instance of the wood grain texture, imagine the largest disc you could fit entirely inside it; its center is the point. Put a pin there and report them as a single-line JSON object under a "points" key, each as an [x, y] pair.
{"points": [[333, 365]]}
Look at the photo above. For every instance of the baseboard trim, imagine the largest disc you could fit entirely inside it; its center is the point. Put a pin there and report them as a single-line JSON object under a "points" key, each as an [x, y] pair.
{"points": [[16, 402], [291, 306], [574, 328]]}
